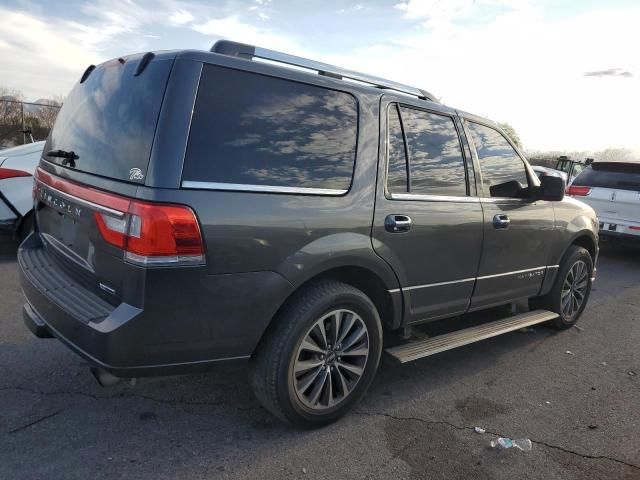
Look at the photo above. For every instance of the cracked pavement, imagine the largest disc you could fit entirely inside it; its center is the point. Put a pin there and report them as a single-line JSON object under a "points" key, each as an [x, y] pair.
{"points": [[417, 421]]}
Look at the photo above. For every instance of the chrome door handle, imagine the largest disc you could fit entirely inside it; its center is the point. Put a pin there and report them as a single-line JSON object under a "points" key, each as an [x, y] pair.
{"points": [[397, 223], [501, 221]]}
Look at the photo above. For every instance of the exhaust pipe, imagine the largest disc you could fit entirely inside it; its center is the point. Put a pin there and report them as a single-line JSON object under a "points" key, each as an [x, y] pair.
{"points": [[104, 378]]}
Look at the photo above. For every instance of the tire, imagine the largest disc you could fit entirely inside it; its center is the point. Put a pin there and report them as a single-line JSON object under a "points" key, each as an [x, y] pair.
{"points": [[343, 371], [575, 269], [26, 227]]}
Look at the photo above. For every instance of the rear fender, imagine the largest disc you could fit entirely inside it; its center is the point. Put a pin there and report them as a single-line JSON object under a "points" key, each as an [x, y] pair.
{"points": [[342, 250]]}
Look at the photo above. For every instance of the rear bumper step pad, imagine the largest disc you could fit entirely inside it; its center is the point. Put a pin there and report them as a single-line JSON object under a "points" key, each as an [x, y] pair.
{"points": [[423, 348]]}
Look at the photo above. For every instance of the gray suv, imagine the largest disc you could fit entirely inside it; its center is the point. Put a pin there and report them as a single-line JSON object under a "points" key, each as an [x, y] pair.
{"points": [[193, 208]]}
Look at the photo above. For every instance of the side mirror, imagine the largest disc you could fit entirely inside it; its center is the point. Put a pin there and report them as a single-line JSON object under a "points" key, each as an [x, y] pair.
{"points": [[511, 189], [551, 188]]}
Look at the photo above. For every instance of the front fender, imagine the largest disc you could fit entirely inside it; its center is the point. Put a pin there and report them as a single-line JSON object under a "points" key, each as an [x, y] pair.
{"points": [[574, 219]]}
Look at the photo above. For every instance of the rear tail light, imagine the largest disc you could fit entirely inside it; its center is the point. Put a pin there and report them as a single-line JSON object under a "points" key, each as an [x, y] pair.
{"points": [[634, 227], [149, 233], [578, 191], [11, 173]]}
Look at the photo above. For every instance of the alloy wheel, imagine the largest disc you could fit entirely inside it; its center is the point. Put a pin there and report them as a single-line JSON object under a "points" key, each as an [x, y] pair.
{"points": [[331, 359], [574, 289]]}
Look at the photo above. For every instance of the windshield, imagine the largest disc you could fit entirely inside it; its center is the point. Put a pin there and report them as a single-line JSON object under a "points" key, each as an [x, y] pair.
{"points": [[109, 120]]}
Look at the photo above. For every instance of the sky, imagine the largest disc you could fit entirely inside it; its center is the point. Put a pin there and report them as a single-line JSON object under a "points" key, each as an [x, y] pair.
{"points": [[564, 73]]}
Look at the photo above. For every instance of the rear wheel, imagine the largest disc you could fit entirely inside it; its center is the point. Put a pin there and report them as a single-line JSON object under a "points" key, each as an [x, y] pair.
{"points": [[571, 289], [320, 355]]}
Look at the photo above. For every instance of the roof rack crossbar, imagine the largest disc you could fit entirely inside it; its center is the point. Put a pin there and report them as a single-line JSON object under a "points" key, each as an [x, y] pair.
{"points": [[241, 50]]}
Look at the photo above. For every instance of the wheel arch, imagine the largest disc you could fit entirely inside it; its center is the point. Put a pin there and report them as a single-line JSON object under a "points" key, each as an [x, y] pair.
{"points": [[388, 304], [585, 239], [367, 279]]}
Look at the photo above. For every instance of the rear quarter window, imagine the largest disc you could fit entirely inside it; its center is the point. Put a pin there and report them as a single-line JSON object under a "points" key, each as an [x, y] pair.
{"points": [[617, 176], [254, 130]]}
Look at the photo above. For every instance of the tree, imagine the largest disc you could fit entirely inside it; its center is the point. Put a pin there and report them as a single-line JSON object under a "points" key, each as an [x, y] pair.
{"points": [[511, 132], [16, 116]]}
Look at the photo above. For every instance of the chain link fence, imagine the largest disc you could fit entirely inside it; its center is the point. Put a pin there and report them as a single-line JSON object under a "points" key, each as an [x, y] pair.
{"points": [[24, 122]]}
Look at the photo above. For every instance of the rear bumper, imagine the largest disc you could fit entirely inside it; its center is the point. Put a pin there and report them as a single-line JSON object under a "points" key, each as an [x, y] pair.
{"points": [[618, 237], [203, 319]]}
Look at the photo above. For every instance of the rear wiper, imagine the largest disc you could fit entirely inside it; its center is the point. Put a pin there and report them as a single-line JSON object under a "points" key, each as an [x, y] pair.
{"points": [[69, 157]]}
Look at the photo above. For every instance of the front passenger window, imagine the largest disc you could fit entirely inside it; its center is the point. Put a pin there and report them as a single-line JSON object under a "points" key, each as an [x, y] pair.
{"points": [[503, 171]]}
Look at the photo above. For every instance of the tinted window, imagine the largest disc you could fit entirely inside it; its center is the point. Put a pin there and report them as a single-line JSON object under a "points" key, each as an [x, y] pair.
{"points": [[258, 130], [499, 162], [109, 120], [615, 175], [397, 159], [435, 156]]}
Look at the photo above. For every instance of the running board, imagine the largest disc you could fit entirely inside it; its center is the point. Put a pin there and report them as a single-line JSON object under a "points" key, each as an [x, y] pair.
{"points": [[423, 348]]}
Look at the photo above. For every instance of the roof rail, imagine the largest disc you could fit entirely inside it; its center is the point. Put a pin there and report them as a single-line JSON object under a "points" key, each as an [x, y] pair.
{"points": [[249, 52]]}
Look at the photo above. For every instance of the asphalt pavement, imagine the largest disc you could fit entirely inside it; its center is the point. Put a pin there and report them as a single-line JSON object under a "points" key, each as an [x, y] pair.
{"points": [[580, 409]]}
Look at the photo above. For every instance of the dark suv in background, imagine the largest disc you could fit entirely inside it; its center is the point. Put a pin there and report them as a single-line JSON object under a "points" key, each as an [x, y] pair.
{"points": [[197, 207]]}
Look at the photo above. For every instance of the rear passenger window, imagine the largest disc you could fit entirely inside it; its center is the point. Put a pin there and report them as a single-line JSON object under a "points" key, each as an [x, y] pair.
{"points": [[251, 129], [436, 163], [499, 162], [397, 157]]}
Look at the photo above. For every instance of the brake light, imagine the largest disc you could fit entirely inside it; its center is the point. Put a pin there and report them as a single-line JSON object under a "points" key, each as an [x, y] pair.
{"points": [[149, 233], [634, 227], [11, 173], [578, 191]]}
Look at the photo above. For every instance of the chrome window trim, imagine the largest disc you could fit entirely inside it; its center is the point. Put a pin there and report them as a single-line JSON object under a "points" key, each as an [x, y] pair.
{"points": [[426, 197], [485, 277], [433, 198], [242, 187], [86, 203]]}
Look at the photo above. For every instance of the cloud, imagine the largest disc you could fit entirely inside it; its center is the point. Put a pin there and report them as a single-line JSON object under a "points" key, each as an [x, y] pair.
{"points": [[233, 28], [40, 56], [610, 72], [355, 8], [181, 17], [518, 65]]}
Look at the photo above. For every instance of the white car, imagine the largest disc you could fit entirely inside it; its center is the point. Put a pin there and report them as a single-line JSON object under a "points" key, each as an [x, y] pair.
{"points": [[542, 171], [612, 189], [17, 166]]}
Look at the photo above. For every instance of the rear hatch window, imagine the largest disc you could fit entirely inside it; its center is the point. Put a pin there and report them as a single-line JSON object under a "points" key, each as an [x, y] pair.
{"points": [[617, 176], [109, 120]]}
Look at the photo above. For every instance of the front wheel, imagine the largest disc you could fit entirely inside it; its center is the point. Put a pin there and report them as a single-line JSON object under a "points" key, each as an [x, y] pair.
{"points": [[319, 356], [571, 289]]}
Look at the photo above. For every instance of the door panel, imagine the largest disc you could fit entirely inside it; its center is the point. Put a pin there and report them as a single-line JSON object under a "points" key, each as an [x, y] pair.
{"points": [[436, 261], [513, 258], [518, 232], [436, 256]]}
